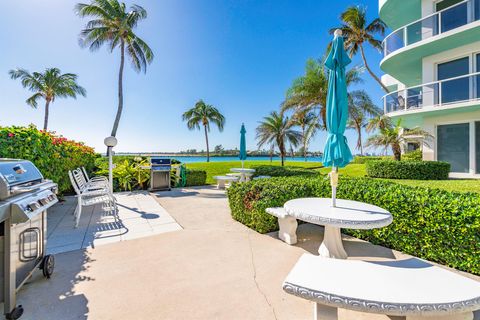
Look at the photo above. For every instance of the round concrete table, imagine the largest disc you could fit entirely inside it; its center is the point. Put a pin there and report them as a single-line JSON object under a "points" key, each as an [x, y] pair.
{"points": [[245, 173], [347, 214]]}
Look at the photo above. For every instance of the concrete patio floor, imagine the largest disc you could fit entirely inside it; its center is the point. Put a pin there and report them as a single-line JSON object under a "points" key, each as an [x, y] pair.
{"points": [[215, 268], [138, 216]]}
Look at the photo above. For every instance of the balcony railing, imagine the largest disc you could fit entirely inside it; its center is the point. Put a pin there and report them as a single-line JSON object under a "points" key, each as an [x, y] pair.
{"points": [[442, 21], [434, 94]]}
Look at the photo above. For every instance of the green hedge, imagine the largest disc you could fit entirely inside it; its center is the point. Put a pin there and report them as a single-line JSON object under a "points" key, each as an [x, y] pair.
{"points": [[413, 156], [433, 224], [52, 154], [364, 159], [415, 170], [277, 171], [196, 177]]}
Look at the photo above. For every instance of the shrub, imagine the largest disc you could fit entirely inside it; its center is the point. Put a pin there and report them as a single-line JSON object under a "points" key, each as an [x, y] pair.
{"points": [[128, 172], [53, 155], [363, 159], [196, 177], [276, 171], [416, 170], [413, 156], [436, 225]]}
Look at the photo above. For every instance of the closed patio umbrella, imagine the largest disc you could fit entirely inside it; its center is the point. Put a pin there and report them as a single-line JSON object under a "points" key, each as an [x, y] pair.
{"points": [[243, 145], [336, 153]]}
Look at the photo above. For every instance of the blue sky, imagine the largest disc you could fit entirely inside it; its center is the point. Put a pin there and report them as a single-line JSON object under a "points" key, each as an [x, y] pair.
{"points": [[239, 55]]}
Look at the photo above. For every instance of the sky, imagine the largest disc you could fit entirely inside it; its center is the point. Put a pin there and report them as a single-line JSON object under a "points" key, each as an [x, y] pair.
{"points": [[238, 55]]}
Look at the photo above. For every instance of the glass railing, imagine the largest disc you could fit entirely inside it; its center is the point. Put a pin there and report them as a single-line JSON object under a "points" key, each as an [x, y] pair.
{"points": [[442, 21], [439, 93]]}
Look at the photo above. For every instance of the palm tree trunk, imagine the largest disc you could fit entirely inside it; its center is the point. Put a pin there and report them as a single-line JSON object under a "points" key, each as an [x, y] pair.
{"points": [[120, 89], [47, 112], [397, 152], [371, 72], [206, 139], [304, 144], [359, 141], [271, 154]]}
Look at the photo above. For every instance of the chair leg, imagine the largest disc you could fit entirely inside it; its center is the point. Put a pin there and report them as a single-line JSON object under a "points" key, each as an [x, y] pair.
{"points": [[79, 213]]}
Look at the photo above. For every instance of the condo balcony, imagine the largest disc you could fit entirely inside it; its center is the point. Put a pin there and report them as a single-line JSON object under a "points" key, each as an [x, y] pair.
{"points": [[440, 22], [437, 95]]}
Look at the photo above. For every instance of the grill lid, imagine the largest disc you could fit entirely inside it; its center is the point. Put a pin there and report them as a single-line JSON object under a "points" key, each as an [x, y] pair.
{"points": [[17, 172]]}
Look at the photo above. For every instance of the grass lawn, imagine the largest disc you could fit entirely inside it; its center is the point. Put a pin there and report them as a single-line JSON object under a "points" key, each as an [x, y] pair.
{"points": [[221, 168], [353, 170], [462, 185]]}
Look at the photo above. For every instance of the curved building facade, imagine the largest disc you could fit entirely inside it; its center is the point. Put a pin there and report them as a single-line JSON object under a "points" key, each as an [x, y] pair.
{"points": [[432, 65]]}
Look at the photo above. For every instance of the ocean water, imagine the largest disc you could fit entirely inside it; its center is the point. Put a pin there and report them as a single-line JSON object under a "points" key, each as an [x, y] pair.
{"points": [[191, 159]]}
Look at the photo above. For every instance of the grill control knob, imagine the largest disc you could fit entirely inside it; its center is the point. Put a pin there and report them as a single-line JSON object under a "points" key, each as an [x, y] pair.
{"points": [[43, 201], [33, 206]]}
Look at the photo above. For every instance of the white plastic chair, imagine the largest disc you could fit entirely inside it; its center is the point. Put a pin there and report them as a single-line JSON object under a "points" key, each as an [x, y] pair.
{"points": [[88, 195]]}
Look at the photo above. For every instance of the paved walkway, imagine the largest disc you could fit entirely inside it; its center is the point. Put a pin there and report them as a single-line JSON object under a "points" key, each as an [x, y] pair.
{"points": [[215, 268], [139, 215]]}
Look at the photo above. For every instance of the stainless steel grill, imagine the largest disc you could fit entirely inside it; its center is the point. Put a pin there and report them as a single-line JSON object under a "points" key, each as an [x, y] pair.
{"points": [[160, 173], [25, 197]]}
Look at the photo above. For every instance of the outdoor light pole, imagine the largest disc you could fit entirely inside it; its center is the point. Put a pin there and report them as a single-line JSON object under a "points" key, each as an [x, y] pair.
{"points": [[110, 142]]}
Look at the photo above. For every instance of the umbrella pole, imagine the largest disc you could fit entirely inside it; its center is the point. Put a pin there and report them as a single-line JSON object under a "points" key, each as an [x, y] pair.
{"points": [[334, 183], [242, 163]]}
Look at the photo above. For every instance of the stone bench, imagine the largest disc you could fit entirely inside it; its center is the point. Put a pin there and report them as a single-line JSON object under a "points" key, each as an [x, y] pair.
{"points": [[409, 289], [222, 180], [287, 225]]}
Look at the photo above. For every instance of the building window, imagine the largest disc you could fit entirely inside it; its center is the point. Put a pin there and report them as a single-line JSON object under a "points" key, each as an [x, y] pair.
{"points": [[452, 17], [453, 90], [412, 146], [477, 77], [453, 146]]}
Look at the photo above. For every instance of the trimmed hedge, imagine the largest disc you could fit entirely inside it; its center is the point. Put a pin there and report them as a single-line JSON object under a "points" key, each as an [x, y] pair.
{"points": [[415, 170], [276, 171], [196, 177], [52, 154], [432, 224], [364, 159], [413, 156]]}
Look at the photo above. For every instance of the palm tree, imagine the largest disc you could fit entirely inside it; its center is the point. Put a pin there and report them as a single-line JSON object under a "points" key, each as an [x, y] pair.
{"points": [[203, 114], [277, 129], [357, 32], [360, 109], [48, 85], [308, 122], [394, 136], [310, 90], [113, 25]]}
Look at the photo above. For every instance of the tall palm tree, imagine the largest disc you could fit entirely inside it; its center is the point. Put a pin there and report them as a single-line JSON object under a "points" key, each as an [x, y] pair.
{"points": [[357, 32], [49, 85], [394, 136], [203, 114], [113, 25], [310, 90], [309, 125], [360, 109], [277, 129]]}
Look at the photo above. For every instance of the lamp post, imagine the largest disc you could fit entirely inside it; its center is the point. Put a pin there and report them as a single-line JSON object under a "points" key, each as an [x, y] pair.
{"points": [[110, 142]]}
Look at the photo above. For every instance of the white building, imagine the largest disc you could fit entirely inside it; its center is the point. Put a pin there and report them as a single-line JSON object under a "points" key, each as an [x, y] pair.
{"points": [[432, 65]]}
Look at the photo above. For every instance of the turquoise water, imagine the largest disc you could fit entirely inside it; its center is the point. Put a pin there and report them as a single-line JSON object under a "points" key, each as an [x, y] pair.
{"points": [[191, 159]]}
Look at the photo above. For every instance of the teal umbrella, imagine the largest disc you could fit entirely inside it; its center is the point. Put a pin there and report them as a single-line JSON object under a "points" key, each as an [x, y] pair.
{"points": [[243, 144], [336, 153]]}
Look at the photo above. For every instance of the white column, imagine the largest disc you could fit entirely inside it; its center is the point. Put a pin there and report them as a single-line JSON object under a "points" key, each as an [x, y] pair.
{"points": [[471, 148]]}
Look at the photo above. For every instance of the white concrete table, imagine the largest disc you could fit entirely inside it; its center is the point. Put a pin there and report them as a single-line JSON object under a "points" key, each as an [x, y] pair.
{"points": [[347, 214], [222, 180], [411, 288], [245, 173]]}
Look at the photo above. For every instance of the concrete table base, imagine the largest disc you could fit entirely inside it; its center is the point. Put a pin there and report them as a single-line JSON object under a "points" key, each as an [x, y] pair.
{"points": [[288, 229], [332, 246]]}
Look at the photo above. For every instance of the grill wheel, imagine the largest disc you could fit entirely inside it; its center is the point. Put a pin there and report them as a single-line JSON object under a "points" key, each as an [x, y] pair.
{"points": [[48, 265]]}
